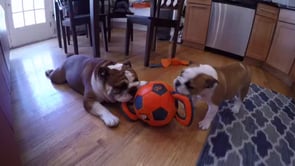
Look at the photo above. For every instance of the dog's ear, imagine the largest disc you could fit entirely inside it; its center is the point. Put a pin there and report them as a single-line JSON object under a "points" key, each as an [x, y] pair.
{"points": [[128, 63], [210, 82], [103, 73]]}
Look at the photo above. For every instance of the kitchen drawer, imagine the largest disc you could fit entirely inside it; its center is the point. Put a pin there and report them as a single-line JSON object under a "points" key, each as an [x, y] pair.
{"points": [[205, 2], [267, 11], [287, 16]]}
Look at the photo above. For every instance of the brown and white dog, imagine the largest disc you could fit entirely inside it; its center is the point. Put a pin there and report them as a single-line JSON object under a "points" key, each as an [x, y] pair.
{"points": [[98, 80], [214, 85]]}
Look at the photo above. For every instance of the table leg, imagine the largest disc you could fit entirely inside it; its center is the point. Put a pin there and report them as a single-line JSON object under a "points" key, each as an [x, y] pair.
{"points": [[94, 20]]}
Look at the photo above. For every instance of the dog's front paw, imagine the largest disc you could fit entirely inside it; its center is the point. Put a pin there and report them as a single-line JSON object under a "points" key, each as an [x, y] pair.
{"points": [[236, 108], [204, 124], [142, 83], [110, 120]]}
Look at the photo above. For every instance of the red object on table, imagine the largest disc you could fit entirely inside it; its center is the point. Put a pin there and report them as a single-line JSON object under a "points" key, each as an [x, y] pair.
{"points": [[141, 4]]}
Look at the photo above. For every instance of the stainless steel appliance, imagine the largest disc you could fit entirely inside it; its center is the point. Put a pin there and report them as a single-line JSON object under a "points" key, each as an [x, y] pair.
{"points": [[229, 28]]}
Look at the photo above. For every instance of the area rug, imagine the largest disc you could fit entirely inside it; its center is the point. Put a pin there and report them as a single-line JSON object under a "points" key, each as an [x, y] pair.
{"points": [[261, 134]]}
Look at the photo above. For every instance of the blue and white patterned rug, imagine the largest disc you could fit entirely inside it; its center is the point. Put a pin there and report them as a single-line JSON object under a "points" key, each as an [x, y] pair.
{"points": [[261, 134]]}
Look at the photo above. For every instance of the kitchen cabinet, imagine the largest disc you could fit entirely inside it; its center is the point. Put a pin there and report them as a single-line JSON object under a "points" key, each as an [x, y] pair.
{"points": [[262, 32], [292, 73], [196, 23], [282, 51]]}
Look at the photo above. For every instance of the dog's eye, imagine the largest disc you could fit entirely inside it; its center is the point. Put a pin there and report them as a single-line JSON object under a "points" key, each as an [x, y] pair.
{"points": [[188, 85]]}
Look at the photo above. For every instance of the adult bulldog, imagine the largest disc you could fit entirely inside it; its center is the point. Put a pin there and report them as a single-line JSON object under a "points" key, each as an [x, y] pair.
{"points": [[98, 80]]}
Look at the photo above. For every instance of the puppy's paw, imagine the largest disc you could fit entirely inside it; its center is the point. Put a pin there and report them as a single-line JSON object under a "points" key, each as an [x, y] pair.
{"points": [[204, 124], [236, 108], [110, 120], [141, 83]]}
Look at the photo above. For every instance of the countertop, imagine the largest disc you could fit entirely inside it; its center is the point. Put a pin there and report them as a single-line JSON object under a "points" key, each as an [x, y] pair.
{"points": [[285, 4]]}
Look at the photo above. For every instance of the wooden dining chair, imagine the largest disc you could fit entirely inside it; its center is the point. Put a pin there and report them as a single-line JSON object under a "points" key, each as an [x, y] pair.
{"points": [[73, 13], [116, 9], [154, 21]]}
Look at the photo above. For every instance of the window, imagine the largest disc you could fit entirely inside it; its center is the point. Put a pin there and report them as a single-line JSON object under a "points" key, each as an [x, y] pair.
{"points": [[27, 12]]}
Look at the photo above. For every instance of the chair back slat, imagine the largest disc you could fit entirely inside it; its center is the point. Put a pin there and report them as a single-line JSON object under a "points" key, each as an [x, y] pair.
{"points": [[81, 6], [71, 8], [172, 4], [175, 5], [59, 4]]}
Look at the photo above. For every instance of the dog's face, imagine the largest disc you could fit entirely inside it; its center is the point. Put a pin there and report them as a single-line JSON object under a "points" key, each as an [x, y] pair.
{"points": [[195, 80], [119, 82]]}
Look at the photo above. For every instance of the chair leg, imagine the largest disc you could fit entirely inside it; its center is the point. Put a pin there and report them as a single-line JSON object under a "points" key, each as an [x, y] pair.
{"points": [[59, 35], [127, 38], [174, 42], [148, 47], [68, 32], [109, 28], [90, 34], [154, 39], [75, 40], [86, 31], [104, 33], [63, 31], [131, 32]]}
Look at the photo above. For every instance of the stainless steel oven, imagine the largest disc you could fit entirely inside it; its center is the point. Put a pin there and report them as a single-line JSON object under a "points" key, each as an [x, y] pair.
{"points": [[229, 28]]}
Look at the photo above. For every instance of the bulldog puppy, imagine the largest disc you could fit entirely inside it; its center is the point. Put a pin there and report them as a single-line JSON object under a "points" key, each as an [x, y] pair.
{"points": [[98, 80], [214, 85]]}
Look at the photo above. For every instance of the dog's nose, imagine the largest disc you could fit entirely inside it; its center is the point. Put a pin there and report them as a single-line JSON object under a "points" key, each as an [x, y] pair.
{"points": [[177, 83], [132, 91]]}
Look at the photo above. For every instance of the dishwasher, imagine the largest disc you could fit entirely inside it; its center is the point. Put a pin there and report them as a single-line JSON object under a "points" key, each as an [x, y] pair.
{"points": [[230, 27]]}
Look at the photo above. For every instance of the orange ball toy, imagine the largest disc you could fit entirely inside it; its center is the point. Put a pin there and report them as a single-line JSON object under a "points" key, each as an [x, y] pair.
{"points": [[156, 104]]}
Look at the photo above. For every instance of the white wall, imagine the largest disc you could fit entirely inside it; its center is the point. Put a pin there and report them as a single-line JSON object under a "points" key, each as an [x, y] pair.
{"points": [[1, 2]]}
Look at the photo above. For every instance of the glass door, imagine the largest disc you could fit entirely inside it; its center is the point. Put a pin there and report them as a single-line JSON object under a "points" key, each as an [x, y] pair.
{"points": [[29, 21]]}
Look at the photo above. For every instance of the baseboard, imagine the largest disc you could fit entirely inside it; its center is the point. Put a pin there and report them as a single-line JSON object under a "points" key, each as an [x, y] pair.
{"points": [[194, 45], [253, 62], [280, 75]]}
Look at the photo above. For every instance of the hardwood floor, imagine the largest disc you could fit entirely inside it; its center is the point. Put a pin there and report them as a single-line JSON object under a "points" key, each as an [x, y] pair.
{"points": [[53, 129]]}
